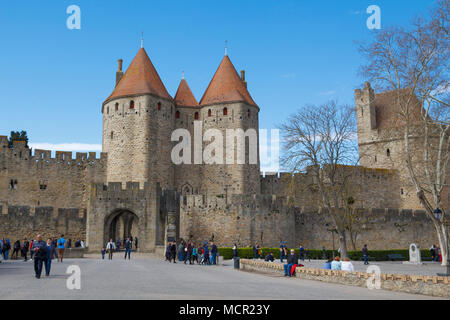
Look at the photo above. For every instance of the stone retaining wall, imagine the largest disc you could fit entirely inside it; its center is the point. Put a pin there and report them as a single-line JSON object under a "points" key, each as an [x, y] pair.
{"points": [[426, 285]]}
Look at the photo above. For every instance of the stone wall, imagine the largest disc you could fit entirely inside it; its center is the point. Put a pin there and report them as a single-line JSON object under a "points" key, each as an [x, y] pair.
{"points": [[17, 222], [369, 187], [267, 220], [40, 180]]}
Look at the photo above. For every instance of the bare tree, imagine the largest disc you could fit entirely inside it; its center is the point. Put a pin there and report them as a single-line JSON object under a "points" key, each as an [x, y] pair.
{"points": [[322, 139], [413, 63]]}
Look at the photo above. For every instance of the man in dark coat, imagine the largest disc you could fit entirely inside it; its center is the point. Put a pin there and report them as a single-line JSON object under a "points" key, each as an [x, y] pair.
{"points": [[16, 249], [173, 251], [128, 245], [40, 255], [25, 247]]}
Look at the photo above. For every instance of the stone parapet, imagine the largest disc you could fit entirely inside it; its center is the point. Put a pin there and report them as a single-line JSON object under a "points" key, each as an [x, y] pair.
{"points": [[426, 285]]}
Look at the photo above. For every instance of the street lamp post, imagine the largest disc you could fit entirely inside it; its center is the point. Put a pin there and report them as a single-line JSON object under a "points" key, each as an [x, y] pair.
{"points": [[438, 214]]}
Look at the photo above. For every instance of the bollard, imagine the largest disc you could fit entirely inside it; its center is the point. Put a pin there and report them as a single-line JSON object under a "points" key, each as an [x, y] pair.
{"points": [[236, 262]]}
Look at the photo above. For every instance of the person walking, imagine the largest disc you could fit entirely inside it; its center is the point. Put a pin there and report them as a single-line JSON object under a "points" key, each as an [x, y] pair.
{"points": [[194, 254], [16, 249], [235, 251], [51, 250], [173, 251], [181, 251], [206, 253], [433, 253], [40, 255], [255, 251], [282, 251], [103, 253], [61, 248], [214, 252], [110, 247], [128, 245], [25, 248], [54, 245], [1, 250], [302, 252], [167, 254], [31, 251], [6, 248], [365, 252], [188, 253]]}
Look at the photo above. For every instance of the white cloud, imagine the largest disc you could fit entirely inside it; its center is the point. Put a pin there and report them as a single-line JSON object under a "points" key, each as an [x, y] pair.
{"points": [[69, 146]]}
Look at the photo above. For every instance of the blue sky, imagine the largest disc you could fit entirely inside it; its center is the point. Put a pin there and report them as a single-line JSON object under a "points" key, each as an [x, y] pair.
{"points": [[54, 80]]}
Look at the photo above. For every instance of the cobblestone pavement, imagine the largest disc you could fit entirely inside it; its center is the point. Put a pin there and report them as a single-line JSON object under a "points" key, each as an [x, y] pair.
{"points": [[150, 278]]}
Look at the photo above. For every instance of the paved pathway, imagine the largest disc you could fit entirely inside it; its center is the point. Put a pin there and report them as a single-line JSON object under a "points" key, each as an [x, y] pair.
{"points": [[149, 278]]}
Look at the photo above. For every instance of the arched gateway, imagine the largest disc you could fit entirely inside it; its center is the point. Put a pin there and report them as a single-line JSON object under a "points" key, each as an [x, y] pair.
{"points": [[150, 214], [121, 224]]}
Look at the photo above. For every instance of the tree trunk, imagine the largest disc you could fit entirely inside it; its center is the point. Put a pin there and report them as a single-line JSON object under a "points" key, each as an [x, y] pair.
{"points": [[342, 244], [443, 241]]}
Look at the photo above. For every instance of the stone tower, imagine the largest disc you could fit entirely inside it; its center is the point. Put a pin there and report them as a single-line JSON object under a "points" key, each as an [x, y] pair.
{"points": [[366, 122], [188, 177], [138, 119], [226, 104]]}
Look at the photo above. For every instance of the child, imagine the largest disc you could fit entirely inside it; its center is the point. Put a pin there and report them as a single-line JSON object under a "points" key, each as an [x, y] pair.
{"points": [[103, 253]]}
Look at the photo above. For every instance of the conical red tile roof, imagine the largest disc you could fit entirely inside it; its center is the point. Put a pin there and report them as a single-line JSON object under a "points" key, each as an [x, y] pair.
{"points": [[184, 96], [140, 78], [226, 86]]}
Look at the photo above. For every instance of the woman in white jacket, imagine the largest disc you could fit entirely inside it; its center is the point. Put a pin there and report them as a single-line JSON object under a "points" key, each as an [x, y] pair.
{"points": [[346, 265]]}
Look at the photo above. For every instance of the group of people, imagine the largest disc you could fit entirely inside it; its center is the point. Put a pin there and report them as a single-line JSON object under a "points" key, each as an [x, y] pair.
{"points": [[25, 246], [436, 253], [304, 253], [112, 246], [188, 251], [337, 264], [44, 252]]}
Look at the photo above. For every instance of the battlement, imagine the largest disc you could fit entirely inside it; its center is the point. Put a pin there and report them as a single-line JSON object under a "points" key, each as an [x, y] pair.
{"points": [[116, 190], [3, 141], [20, 151], [233, 202], [366, 95], [282, 178]]}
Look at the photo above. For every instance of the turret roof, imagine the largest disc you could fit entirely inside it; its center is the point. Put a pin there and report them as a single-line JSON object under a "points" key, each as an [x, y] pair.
{"points": [[226, 86], [141, 77], [184, 96]]}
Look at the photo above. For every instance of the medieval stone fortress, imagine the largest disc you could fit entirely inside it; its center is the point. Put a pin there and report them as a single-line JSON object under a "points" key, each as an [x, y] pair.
{"points": [[134, 188]]}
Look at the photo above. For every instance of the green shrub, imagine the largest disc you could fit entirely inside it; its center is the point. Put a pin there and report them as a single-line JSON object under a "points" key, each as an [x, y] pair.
{"points": [[375, 255]]}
